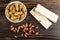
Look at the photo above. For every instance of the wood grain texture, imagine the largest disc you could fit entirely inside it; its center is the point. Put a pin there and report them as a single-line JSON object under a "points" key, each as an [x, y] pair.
{"points": [[53, 33]]}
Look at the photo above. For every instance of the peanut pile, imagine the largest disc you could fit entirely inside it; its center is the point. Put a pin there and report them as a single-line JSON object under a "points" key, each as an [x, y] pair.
{"points": [[16, 11], [27, 30]]}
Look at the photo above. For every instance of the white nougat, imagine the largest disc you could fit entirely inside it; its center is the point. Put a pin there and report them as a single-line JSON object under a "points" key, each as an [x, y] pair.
{"points": [[47, 13], [41, 19]]}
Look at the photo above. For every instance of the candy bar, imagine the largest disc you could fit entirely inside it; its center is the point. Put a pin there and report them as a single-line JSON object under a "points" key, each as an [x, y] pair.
{"points": [[41, 19], [47, 13]]}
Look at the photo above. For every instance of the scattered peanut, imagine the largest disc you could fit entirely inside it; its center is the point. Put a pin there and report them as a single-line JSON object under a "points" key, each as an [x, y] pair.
{"points": [[30, 28], [12, 28], [25, 35], [27, 29], [37, 33], [22, 27], [33, 26], [17, 30], [19, 27], [36, 27], [15, 36], [22, 35], [30, 25], [26, 24]]}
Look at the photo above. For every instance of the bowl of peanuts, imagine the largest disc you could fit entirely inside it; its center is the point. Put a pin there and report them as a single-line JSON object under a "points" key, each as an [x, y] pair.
{"points": [[16, 11]]}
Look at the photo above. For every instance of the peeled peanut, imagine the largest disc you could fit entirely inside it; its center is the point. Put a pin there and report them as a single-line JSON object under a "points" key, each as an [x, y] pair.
{"points": [[16, 20], [8, 7], [21, 6], [13, 11], [10, 13], [18, 17], [20, 13], [7, 14], [11, 7], [16, 13], [24, 9], [13, 17], [22, 16], [7, 11], [16, 5]]}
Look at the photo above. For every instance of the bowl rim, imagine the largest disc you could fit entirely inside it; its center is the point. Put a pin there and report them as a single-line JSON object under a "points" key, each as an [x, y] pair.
{"points": [[12, 20]]}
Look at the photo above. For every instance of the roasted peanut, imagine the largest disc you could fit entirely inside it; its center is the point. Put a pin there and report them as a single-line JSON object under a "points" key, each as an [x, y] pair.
{"points": [[13, 11], [19, 27], [25, 35], [11, 7], [33, 26], [13, 18], [20, 13], [22, 35], [10, 13], [26, 24], [16, 5], [36, 27], [7, 14], [22, 16], [26, 30], [15, 36], [37, 33], [12, 28], [30, 28], [8, 7], [21, 6], [30, 24], [17, 30], [22, 27], [24, 9]]}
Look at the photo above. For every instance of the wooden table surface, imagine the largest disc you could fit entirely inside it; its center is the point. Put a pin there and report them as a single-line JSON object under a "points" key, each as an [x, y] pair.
{"points": [[53, 33]]}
